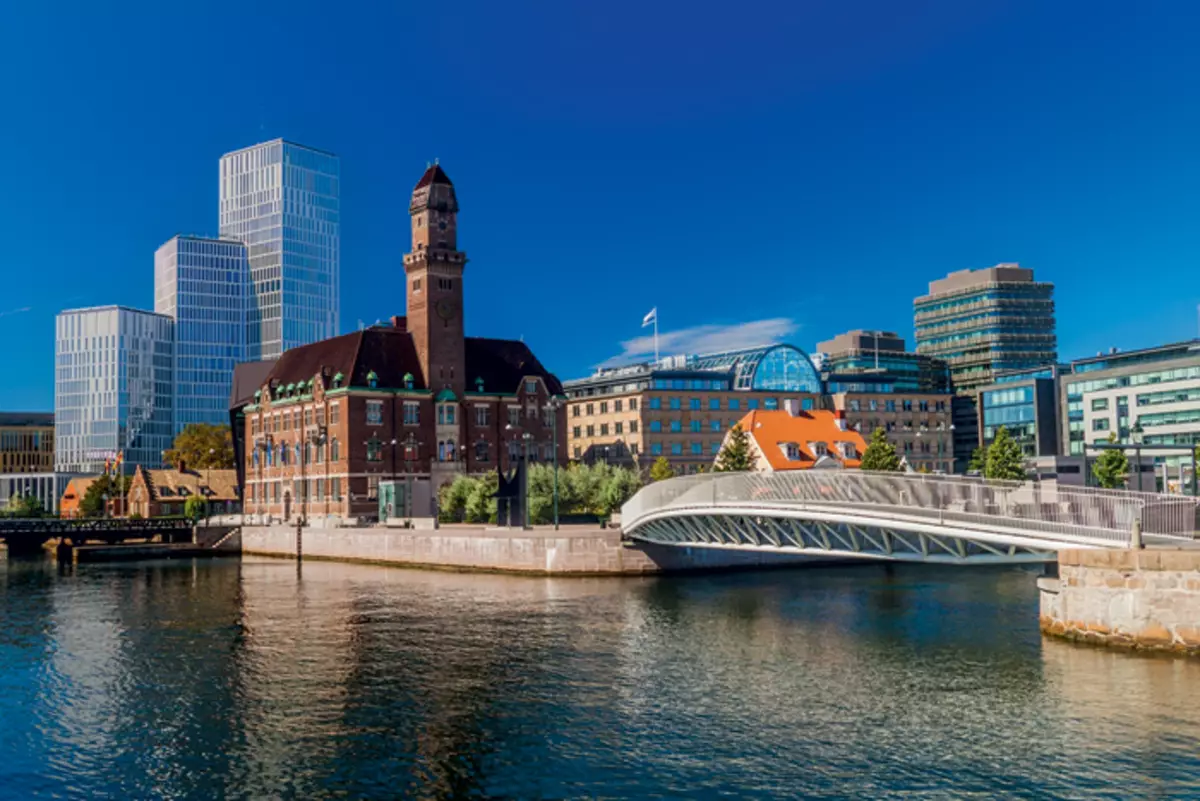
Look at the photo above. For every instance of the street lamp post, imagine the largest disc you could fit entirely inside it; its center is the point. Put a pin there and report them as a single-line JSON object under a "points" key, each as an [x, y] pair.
{"points": [[552, 406], [1136, 435], [525, 478]]}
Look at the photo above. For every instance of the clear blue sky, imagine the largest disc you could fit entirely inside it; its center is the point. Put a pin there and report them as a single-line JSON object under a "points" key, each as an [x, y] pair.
{"points": [[791, 168]]}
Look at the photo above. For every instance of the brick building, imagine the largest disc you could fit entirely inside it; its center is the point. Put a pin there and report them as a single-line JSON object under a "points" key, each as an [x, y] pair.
{"points": [[416, 399]]}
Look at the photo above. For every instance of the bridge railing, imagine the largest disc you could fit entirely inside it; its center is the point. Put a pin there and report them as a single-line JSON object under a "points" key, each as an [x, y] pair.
{"points": [[1083, 513]]}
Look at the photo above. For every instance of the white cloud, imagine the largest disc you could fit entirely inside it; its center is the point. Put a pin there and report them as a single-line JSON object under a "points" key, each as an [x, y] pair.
{"points": [[21, 310], [704, 339]]}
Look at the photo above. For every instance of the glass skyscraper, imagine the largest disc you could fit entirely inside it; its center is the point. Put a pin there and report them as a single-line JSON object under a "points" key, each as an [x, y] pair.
{"points": [[282, 200], [112, 388], [203, 284]]}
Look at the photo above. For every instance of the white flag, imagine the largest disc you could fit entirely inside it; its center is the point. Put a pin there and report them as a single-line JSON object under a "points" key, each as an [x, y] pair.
{"points": [[652, 317]]}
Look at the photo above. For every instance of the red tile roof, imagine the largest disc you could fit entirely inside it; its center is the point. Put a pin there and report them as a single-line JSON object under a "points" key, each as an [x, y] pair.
{"points": [[772, 430]]}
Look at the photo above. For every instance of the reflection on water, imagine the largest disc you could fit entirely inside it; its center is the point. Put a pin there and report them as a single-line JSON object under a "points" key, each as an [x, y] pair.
{"points": [[262, 679]]}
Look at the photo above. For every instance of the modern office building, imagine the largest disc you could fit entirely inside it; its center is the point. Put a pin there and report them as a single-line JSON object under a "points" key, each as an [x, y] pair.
{"points": [[203, 284], [282, 200], [112, 388], [857, 355], [1025, 402], [682, 408], [26, 442], [982, 322], [47, 487], [1158, 388]]}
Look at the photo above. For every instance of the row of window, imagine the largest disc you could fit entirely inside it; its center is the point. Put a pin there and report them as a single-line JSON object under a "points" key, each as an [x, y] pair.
{"points": [[617, 428], [904, 405], [617, 406]]}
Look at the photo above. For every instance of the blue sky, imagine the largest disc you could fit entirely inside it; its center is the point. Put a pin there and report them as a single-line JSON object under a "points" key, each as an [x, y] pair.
{"points": [[755, 170]]}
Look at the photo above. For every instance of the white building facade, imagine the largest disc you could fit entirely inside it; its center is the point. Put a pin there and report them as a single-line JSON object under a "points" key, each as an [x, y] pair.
{"points": [[203, 284], [282, 200], [113, 388]]}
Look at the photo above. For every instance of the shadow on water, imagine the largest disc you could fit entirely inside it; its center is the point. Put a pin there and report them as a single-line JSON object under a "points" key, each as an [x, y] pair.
{"points": [[255, 679]]}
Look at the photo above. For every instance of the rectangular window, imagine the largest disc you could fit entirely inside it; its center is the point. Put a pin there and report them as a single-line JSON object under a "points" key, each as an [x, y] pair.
{"points": [[575, 410], [675, 403], [677, 449], [714, 425], [591, 409], [907, 405], [853, 405], [483, 416], [694, 404], [771, 403], [697, 449], [676, 426], [656, 403], [656, 426], [578, 452], [618, 428], [696, 426], [617, 406], [603, 407], [604, 429], [633, 449], [576, 432], [889, 406], [714, 404], [531, 386], [633, 404], [591, 431], [1100, 424], [335, 491], [752, 403], [656, 448], [445, 414], [714, 448], [735, 404], [374, 450], [335, 413], [412, 413], [923, 406], [633, 426], [514, 416], [1099, 404], [374, 413], [873, 405], [372, 488]]}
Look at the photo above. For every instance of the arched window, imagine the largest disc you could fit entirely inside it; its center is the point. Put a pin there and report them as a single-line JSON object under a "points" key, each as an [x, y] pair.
{"points": [[299, 454], [481, 451], [308, 453], [254, 457], [335, 451]]}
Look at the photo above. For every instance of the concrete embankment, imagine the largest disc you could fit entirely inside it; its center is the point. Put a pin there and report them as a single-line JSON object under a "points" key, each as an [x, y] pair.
{"points": [[572, 550], [1139, 599]]}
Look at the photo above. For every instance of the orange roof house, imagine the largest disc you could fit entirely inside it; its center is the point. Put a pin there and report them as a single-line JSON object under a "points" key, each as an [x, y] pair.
{"points": [[68, 505], [794, 439]]}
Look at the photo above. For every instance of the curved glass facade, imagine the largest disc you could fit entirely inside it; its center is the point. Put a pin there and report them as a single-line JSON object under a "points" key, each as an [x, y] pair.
{"points": [[777, 368]]}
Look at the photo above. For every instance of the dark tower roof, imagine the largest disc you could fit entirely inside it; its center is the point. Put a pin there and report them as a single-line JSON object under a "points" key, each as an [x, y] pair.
{"points": [[434, 175]]}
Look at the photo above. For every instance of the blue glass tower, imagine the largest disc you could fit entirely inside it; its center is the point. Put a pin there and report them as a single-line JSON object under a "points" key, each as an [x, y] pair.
{"points": [[282, 200], [204, 285]]}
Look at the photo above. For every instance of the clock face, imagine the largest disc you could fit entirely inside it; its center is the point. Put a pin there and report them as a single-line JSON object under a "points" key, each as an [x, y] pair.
{"points": [[445, 308]]}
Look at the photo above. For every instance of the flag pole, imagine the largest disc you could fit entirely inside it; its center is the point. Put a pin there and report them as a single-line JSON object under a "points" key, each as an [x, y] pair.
{"points": [[656, 335]]}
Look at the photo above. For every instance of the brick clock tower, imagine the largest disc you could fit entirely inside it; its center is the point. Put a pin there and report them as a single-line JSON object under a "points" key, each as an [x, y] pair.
{"points": [[434, 269]]}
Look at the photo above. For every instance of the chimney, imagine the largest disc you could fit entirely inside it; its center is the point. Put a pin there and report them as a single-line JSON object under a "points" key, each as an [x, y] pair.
{"points": [[182, 466], [791, 406], [399, 323], [839, 418]]}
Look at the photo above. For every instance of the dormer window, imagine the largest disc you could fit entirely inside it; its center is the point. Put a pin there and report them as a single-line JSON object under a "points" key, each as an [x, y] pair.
{"points": [[819, 449], [531, 386], [848, 450], [792, 451]]}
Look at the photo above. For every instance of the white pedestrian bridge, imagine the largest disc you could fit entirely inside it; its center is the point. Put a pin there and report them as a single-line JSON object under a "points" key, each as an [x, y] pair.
{"points": [[904, 517]]}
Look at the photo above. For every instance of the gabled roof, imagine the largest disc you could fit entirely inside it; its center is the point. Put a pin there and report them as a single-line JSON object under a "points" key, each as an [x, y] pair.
{"points": [[387, 352], [772, 430], [502, 363], [434, 175], [213, 485]]}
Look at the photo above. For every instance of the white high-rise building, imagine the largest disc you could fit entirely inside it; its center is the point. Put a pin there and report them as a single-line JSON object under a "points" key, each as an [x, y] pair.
{"points": [[112, 388], [282, 200], [203, 284]]}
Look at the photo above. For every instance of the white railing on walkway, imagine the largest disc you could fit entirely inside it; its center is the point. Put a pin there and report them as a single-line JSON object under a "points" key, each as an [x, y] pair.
{"points": [[1024, 507]]}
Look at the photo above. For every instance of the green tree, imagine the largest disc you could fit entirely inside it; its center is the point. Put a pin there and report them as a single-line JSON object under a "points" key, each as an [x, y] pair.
{"points": [[202, 447], [1112, 468], [481, 503], [452, 499], [978, 460], [619, 486], [880, 454], [25, 506], [195, 507], [92, 502], [661, 470], [1004, 458], [735, 453]]}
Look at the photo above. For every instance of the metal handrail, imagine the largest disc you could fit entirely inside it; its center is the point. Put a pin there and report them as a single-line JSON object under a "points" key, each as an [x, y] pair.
{"points": [[1072, 513]]}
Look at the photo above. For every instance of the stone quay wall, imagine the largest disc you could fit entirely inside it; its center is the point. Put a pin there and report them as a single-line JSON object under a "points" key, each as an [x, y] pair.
{"points": [[1139, 599], [579, 551]]}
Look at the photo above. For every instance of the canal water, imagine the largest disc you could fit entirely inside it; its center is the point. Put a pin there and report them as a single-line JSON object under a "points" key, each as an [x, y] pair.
{"points": [[262, 679]]}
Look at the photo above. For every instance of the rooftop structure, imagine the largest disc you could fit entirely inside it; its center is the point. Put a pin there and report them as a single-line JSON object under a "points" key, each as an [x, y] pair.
{"points": [[866, 361], [794, 439]]}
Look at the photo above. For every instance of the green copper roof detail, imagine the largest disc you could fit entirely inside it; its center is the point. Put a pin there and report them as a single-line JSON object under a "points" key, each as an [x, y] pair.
{"points": [[446, 394]]}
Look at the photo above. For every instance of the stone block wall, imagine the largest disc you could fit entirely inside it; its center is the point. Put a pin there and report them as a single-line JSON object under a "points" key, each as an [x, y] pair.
{"points": [[1133, 599]]}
